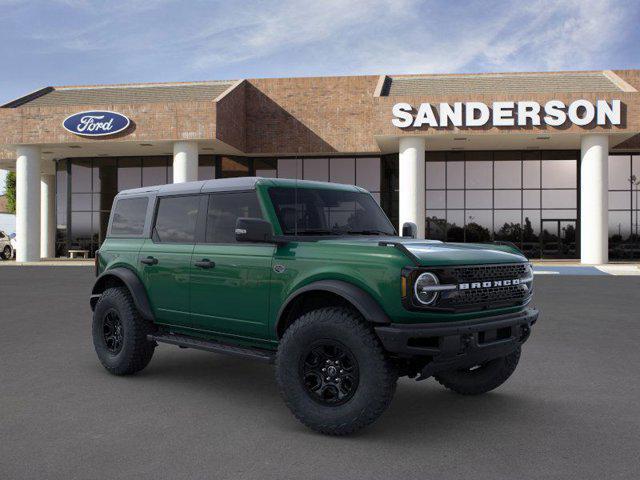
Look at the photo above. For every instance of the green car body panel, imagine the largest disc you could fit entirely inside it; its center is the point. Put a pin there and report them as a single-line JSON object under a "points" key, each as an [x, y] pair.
{"points": [[240, 300]]}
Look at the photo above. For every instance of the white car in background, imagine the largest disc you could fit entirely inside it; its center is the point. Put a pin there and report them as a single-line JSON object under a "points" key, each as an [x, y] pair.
{"points": [[7, 248]]}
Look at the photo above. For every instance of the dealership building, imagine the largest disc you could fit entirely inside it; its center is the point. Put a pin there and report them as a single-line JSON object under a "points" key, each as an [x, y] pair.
{"points": [[548, 161]]}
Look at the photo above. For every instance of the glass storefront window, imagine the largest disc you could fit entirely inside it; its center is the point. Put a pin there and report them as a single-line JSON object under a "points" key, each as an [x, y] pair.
{"points": [[81, 175], [368, 173], [624, 201], [531, 174], [265, 167], [435, 173], [484, 196], [508, 174], [206, 167], [455, 198], [478, 174], [436, 199], [129, 173], [342, 170], [290, 168], [479, 199], [154, 171], [507, 199], [455, 174], [316, 169], [559, 173]]}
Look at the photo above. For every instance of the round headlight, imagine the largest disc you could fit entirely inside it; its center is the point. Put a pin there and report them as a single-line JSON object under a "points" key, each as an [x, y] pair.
{"points": [[423, 293]]}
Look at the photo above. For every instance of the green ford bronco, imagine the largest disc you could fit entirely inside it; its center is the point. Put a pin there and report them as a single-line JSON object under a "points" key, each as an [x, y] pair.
{"points": [[313, 277]]}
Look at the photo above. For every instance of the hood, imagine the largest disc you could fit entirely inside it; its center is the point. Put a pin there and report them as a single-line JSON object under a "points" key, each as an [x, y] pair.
{"points": [[435, 253]]}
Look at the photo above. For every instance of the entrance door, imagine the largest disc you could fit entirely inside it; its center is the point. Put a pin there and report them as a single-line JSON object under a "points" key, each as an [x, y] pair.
{"points": [[230, 281], [558, 238]]}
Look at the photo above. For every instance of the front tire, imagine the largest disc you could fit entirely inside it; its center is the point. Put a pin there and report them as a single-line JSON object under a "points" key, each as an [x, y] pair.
{"points": [[480, 378], [120, 333], [333, 373], [6, 253]]}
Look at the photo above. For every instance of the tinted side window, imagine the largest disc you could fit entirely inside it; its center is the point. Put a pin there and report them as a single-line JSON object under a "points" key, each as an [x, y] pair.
{"points": [[224, 209], [129, 215], [176, 219], [2, 235]]}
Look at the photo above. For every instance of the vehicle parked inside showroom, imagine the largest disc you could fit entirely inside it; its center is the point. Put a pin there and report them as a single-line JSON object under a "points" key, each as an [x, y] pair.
{"points": [[312, 277]]}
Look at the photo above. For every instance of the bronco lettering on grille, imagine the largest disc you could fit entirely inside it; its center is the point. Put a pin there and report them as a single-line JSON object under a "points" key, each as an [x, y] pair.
{"points": [[488, 284]]}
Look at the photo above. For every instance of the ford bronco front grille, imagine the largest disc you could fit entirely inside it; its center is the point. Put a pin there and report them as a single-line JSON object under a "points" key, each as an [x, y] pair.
{"points": [[479, 287]]}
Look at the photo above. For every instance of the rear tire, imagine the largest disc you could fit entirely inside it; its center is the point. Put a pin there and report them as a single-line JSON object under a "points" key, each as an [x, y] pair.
{"points": [[120, 333], [7, 253], [482, 378], [357, 383]]}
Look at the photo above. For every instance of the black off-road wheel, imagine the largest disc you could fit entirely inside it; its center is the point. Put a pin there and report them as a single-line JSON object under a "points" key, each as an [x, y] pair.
{"points": [[6, 253], [333, 373], [480, 378], [120, 333]]}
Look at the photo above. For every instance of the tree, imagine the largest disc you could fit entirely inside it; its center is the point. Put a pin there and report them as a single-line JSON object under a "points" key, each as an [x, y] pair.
{"points": [[477, 233], [10, 187]]}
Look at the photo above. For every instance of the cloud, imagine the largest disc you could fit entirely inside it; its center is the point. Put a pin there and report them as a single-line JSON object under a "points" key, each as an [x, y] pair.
{"points": [[78, 41]]}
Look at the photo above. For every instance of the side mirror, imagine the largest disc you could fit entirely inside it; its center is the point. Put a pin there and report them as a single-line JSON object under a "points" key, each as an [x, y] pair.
{"points": [[409, 229], [254, 230]]}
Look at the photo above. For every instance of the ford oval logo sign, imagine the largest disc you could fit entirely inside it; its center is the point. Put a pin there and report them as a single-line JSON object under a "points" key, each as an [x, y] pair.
{"points": [[96, 123]]}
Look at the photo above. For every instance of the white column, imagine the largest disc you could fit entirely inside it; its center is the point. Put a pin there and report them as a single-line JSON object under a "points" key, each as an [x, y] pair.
{"points": [[412, 182], [48, 211], [28, 203], [185, 161], [594, 201]]}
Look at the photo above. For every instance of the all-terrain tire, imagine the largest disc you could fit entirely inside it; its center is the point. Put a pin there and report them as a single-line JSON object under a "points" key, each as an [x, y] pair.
{"points": [[376, 376], [135, 351], [6, 253], [484, 378]]}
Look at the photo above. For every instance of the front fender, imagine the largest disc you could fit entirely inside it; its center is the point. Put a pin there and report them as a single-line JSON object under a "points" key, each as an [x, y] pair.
{"points": [[133, 284], [370, 310]]}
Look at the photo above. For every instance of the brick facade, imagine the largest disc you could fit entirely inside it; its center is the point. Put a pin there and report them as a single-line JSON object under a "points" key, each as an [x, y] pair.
{"points": [[318, 115]]}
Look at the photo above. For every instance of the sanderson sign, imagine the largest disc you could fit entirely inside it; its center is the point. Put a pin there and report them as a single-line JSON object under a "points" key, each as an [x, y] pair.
{"points": [[96, 123], [507, 114]]}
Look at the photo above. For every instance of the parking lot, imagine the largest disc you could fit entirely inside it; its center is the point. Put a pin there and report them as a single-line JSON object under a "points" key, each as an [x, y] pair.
{"points": [[571, 410]]}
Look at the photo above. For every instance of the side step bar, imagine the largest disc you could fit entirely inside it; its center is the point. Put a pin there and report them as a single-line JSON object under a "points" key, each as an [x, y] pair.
{"points": [[185, 341]]}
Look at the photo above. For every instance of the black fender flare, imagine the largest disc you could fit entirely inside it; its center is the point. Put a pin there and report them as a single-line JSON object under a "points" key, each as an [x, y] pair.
{"points": [[133, 284], [369, 308]]}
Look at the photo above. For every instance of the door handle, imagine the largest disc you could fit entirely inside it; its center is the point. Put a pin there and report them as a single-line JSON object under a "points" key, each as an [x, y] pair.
{"points": [[205, 263], [149, 261]]}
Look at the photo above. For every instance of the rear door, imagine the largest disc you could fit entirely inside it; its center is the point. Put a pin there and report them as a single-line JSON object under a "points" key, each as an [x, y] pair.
{"points": [[165, 258], [230, 280]]}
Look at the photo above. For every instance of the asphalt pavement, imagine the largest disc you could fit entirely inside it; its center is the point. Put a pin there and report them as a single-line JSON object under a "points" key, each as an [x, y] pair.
{"points": [[570, 411]]}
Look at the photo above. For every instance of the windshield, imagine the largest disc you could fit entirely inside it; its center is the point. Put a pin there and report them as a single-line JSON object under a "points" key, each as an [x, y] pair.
{"points": [[317, 211]]}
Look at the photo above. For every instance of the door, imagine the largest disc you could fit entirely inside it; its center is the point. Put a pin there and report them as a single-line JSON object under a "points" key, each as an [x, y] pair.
{"points": [[230, 280], [166, 258], [558, 238]]}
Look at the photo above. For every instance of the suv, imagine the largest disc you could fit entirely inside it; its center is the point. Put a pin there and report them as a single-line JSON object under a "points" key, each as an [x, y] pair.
{"points": [[310, 276]]}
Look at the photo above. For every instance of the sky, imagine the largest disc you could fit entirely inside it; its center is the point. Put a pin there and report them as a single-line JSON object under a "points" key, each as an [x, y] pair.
{"points": [[76, 42]]}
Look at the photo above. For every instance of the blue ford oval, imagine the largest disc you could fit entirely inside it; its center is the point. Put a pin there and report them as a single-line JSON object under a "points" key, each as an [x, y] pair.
{"points": [[96, 123]]}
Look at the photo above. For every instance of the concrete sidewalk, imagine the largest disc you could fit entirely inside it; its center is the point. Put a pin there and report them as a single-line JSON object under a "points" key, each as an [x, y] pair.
{"points": [[50, 262]]}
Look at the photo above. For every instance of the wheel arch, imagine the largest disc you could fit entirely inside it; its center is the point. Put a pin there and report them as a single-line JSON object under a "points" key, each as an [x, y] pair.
{"points": [[321, 291], [118, 277]]}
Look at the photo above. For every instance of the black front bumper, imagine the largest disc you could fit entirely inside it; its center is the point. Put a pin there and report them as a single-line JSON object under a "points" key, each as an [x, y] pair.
{"points": [[451, 345]]}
